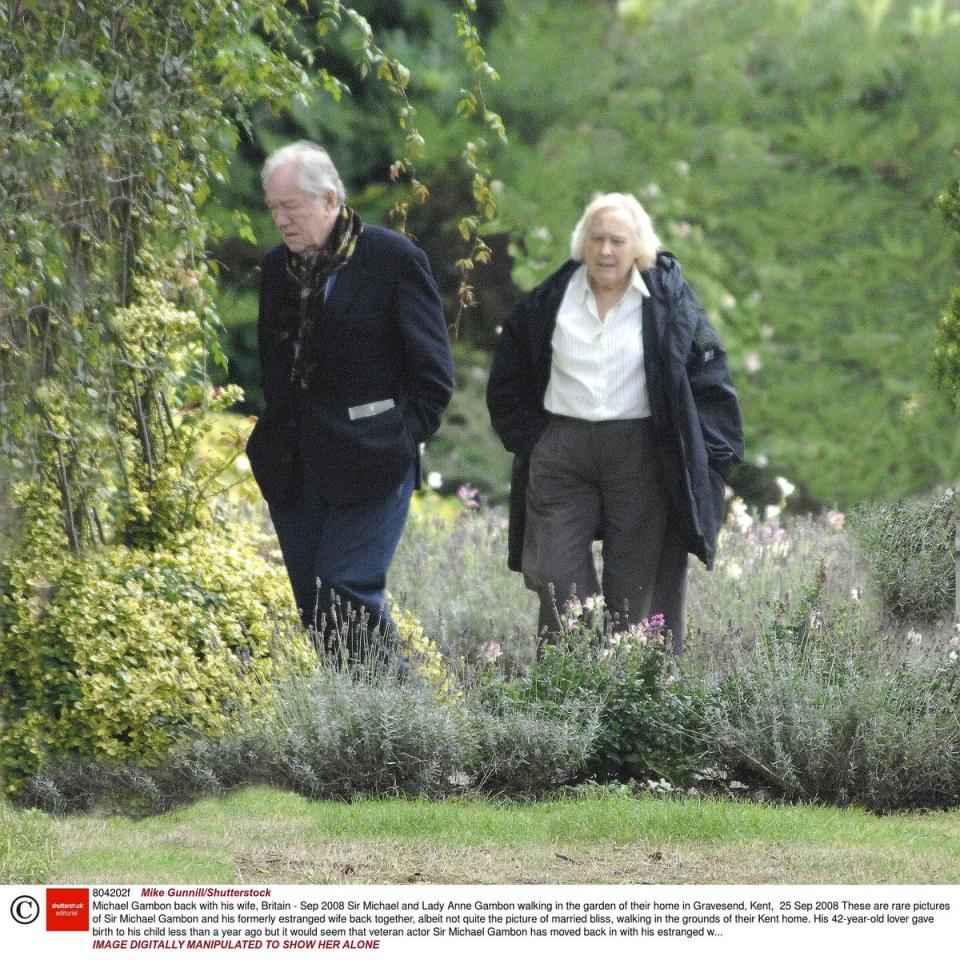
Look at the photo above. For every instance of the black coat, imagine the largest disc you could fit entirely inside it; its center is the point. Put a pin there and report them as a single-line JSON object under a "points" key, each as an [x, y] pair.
{"points": [[694, 408], [384, 337]]}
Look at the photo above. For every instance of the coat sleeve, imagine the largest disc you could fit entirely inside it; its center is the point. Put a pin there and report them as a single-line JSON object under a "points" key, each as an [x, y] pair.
{"points": [[515, 409], [714, 397], [428, 362]]}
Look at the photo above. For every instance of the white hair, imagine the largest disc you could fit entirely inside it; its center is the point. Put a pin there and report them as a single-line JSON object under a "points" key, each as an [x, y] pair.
{"points": [[315, 170], [647, 241]]}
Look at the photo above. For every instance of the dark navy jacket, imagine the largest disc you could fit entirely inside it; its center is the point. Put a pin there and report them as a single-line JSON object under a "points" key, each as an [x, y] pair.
{"points": [[694, 408], [384, 337]]}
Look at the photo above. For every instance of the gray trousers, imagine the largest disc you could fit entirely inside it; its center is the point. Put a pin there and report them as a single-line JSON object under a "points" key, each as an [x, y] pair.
{"points": [[603, 480]]}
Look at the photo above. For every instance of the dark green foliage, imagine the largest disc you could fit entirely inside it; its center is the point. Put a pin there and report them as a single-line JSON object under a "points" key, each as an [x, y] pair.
{"points": [[466, 451], [910, 548], [650, 725], [790, 154]]}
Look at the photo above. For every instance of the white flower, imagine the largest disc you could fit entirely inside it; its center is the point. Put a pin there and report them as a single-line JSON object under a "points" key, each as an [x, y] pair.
{"points": [[734, 570], [242, 463], [728, 301], [752, 362], [952, 655], [914, 637], [741, 515], [680, 229], [491, 651], [856, 594], [786, 487], [771, 512], [682, 167], [652, 191], [761, 461], [434, 480]]}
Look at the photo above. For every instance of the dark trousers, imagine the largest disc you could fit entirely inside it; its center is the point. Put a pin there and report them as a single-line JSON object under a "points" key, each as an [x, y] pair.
{"points": [[603, 480], [337, 556]]}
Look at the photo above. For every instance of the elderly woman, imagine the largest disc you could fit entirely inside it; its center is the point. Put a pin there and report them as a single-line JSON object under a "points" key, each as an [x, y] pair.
{"points": [[611, 388]]}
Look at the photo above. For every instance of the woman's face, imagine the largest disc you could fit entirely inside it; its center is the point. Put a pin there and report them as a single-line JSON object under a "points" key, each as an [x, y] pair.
{"points": [[610, 250]]}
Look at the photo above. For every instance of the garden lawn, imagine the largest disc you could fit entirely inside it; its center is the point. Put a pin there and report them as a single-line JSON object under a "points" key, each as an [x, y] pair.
{"points": [[265, 835]]}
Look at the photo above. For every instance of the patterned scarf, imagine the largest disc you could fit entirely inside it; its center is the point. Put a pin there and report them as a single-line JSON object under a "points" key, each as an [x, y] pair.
{"points": [[311, 273]]}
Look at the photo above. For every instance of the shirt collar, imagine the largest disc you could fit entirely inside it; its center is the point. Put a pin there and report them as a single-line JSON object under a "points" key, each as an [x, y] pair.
{"points": [[636, 282]]}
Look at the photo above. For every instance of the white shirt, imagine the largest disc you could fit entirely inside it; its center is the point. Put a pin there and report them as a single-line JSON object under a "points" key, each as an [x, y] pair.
{"points": [[597, 370]]}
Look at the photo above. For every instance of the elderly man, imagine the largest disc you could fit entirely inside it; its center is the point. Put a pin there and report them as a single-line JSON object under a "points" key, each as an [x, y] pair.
{"points": [[356, 372], [611, 388]]}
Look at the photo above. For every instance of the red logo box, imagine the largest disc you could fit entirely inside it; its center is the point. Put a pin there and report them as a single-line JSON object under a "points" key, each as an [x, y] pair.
{"points": [[68, 908]]}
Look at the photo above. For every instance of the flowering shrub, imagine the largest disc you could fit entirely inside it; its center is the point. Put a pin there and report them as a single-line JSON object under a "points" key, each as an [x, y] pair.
{"points": [[647, 716]]}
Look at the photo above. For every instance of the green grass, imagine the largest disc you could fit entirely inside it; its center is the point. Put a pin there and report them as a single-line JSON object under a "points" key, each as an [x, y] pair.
{"points": [[263, 834]]}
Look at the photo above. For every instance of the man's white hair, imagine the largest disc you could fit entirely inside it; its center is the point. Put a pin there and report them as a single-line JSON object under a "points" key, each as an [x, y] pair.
{"points": [[315, 170], [647, 241]]}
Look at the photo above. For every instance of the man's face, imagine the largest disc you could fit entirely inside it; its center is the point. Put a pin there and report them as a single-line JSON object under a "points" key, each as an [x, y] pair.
{"points": [[610, 250], [304, 220]]}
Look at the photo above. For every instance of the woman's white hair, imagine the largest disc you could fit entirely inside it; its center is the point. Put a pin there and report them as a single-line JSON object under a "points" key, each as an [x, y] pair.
{"points": [[647, 241], [315, 170]]}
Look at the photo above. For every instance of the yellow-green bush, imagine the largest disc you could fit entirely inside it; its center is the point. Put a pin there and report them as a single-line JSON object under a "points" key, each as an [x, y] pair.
{"points": [[119, 653]]}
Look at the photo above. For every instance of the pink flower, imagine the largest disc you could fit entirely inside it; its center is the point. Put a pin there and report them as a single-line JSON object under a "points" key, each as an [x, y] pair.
{"points": [[835, 519], [470, 496], [654, 624]]}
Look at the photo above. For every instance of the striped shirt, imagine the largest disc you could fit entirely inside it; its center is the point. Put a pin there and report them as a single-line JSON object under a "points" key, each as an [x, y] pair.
{"points": [[597, 371]]}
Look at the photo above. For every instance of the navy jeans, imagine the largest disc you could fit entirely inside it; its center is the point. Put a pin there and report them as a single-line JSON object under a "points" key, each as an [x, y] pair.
{"points": [[337, 556]]}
